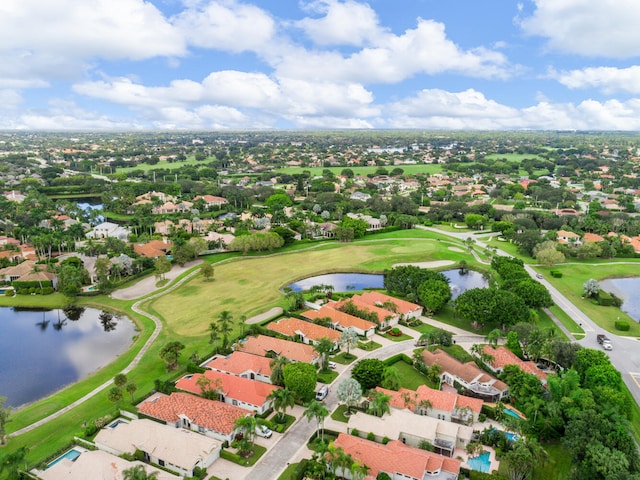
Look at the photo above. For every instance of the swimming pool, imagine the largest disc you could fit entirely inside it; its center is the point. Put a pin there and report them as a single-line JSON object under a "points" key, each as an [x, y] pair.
{"points": [[117, 422], [72, 455], [512, 413], [481, 463], [512, 437]]}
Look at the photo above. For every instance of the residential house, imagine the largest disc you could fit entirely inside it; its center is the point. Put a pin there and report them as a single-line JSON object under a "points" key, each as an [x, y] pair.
{"points": [[241, 364], [412, 429], [386, 318], [184, 410], [592, 238], [399, 461], [309, 333], [372, 222], [233, 390], [501, 356], [28, 271], [168, 208], [211, 200], [467, 376], [15, 196], [222, 239], [109, 230], [178, 450], [151, 196], [341, 321], [276, 347], [96, 465], [361, 196], [567, 238], [404, 308], [447, 406], [152, 249]]}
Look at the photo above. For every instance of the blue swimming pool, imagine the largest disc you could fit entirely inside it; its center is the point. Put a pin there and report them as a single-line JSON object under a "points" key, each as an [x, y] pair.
{"points": [[70, 455], [512, 437], [117, 422], [513, 413], [481, 463]]}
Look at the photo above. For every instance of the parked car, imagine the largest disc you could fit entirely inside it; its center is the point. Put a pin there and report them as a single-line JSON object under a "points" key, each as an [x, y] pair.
{"points": [[322, 393], [263, 431], [604, 341], [539, 275], [332, 365]]}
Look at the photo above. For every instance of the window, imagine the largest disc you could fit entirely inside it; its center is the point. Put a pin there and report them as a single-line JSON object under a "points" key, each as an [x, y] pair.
{"points": [[201, 429], [235, 403], [161, 463]]}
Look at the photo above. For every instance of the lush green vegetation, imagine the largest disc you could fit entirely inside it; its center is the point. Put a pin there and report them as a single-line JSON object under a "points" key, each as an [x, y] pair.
{"points": [[410, 377]]}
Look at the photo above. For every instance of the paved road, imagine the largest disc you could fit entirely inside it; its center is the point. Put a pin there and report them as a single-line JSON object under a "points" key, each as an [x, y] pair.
{"points": [[276, 460], [625, 355]]}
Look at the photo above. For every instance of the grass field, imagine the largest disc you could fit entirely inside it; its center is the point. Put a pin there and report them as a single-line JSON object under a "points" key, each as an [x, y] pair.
{"points": [[574, 277], [165, 165], [246, 286], [411, 378]]}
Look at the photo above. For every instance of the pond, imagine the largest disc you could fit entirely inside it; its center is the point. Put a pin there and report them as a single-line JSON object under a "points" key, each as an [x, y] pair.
{"points": [[343, 282], [42, 351], [627, 289], [461, 282], [87, 205]]}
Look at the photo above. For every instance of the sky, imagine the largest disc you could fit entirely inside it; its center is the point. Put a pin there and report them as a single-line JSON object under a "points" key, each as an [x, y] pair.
{"points": [[319, 64]]}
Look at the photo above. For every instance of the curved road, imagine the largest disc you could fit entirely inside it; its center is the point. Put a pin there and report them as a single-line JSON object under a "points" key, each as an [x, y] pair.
{"points": [[625, 355]]}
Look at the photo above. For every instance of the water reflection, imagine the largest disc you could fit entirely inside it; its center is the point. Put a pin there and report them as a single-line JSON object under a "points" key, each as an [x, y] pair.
{"points": [[627, 289], [43, 351]]}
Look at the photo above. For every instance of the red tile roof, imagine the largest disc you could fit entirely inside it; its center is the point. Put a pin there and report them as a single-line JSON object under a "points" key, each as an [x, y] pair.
{"points": [[261, 345], [339, 318], [244, 390], [502, 357], [240, 362], [216, 416], [378, 299], [294, 326], [395, 457], [466, 371], [381, 313], [439, 399]]}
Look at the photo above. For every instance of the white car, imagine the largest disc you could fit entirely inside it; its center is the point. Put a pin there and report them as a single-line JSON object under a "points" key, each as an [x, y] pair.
{"points": [[332, 365], [607, 346], [263, 431], [322, 393], [539, 275]]}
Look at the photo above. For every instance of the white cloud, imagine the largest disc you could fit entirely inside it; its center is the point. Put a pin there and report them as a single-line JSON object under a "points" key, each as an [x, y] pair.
{"points": [[226, 25], [604, 28], [131, 29], [606, 79], [343, 23], [424, 49], [471, 110], [10, 99]]}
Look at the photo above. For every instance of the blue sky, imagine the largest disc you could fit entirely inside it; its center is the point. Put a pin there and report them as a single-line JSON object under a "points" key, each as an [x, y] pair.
{"points": [[319, 64]]}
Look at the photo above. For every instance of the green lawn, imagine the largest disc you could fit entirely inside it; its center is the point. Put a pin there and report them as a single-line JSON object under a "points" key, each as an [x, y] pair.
{"points": [[557, 465], [411, 378], [398, 338], [164, 164], [574, 277], [338, 414], [344, 359], [369, 346], [327, 377], [575, 329]]}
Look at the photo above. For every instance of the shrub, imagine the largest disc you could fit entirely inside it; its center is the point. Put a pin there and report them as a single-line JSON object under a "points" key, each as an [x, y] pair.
{"points": [[371, 436], [194, 368], [355, 432], [556, 274], [9, 293], [604, 299], [622, 326], [385, 440]]}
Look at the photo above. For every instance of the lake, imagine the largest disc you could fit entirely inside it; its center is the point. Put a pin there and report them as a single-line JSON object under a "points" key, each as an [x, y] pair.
{"points": [[343, 282], [42, 351], [627, 289]]}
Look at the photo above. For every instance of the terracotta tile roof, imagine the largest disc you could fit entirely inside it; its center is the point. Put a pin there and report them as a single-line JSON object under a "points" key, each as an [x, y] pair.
{"points": [[592, 237], [244, 390], [216, 416], [381, 313], [294, 326], [395, 457], [153, 249], [469, 372], [339, 318], [502, 357], [18, 270], [240, 362], [439, 399], [261, 345], [377, 298]]}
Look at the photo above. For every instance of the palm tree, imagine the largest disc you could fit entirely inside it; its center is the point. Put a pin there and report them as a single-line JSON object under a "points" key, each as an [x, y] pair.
{"points": [[11, 463], [282, 399], [379, 403], [213, 334], [138, 473], [324, 347], [493, 337], [247, 426], [277, 370], [120, 380], [391, 378], [317, 410], [115, 395], [224, 323], [131, 388]]}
